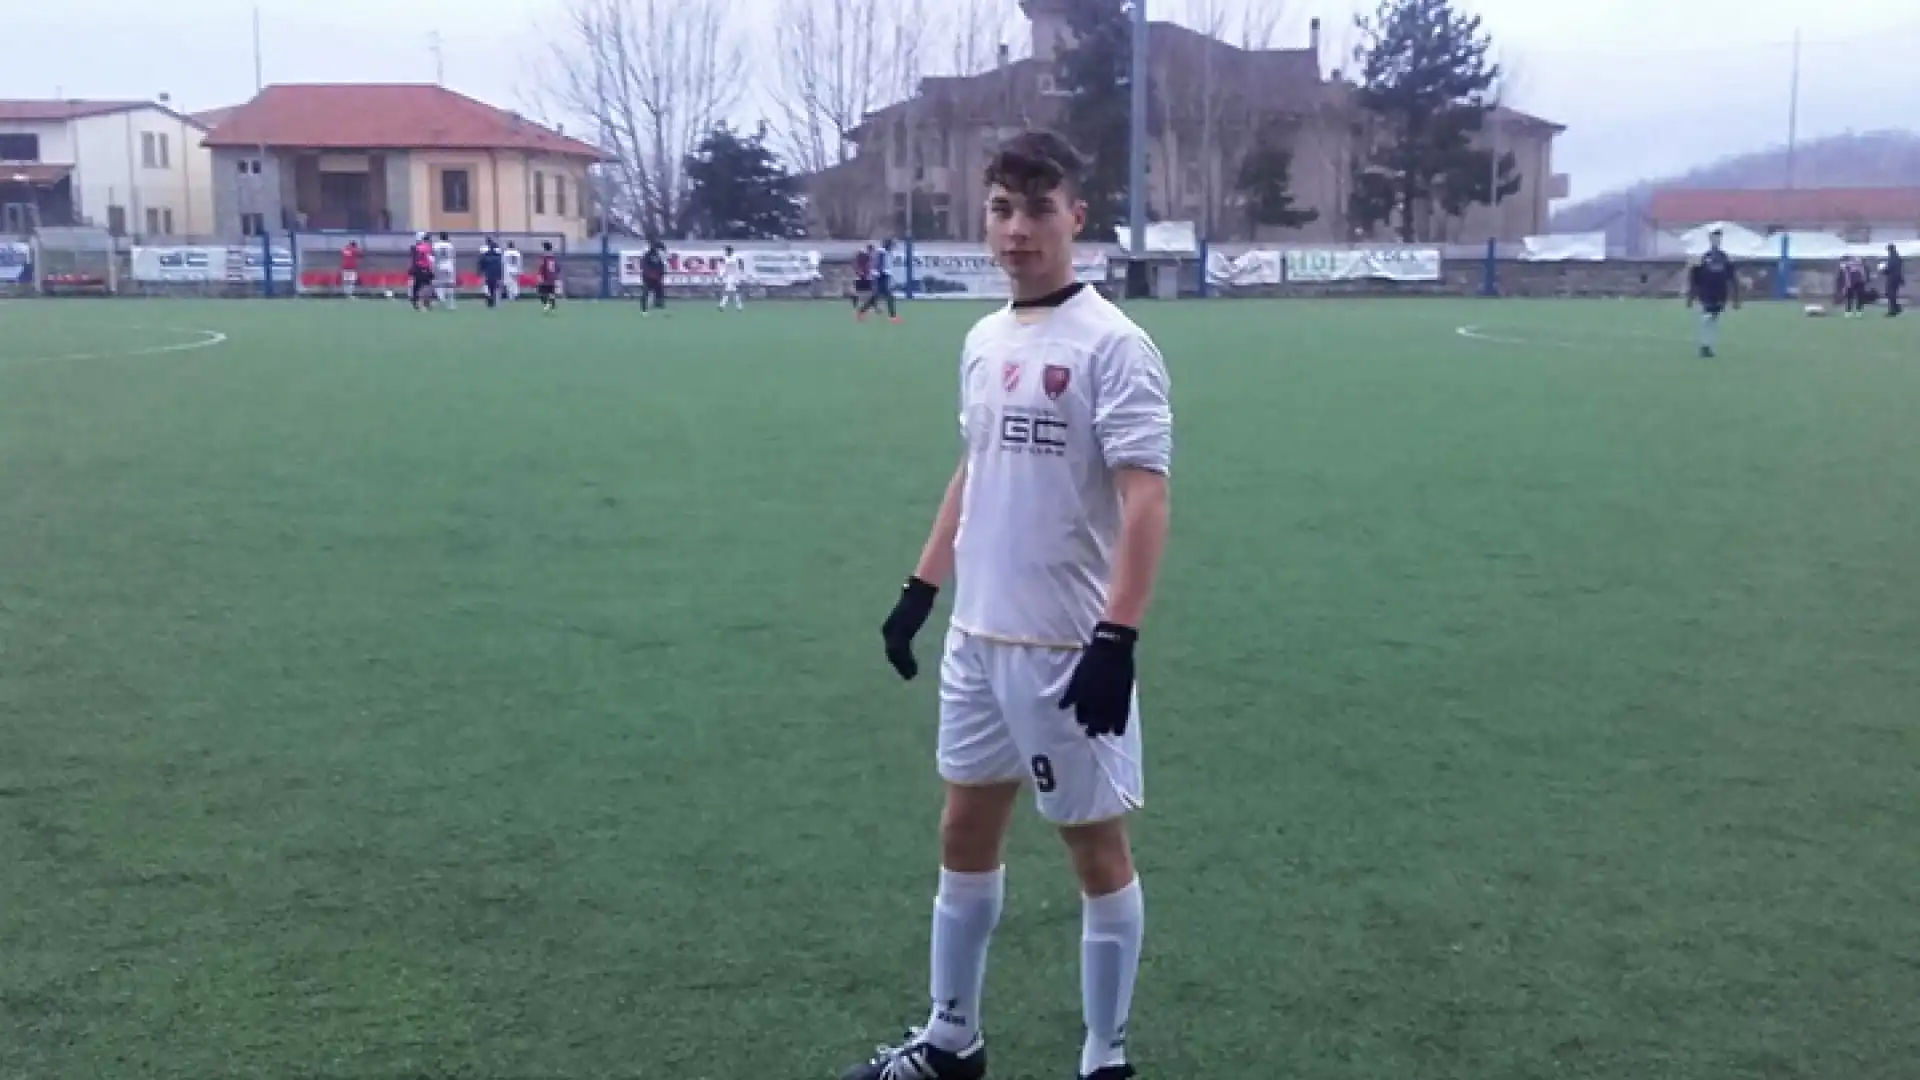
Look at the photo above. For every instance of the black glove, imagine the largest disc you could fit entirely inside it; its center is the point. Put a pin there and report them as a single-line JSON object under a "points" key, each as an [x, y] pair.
{"points": [[1101, 690], [908, 616]]}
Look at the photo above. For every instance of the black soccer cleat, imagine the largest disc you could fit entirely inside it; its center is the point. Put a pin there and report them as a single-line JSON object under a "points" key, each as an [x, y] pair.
{"points": [[1112, 1072], [917, 1059]]}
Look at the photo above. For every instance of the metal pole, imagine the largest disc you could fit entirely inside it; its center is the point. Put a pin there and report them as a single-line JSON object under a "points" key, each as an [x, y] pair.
{"points": [[1793, 112], [259, 78], [1137, 140]]}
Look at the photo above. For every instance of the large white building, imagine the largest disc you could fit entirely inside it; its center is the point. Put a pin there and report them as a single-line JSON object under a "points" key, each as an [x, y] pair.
{"points": [[133, 167]]}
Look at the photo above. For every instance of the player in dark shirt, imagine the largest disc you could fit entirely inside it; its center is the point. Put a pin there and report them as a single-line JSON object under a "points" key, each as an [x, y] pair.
{"points": [[1714, 281], [1896, 275], [549, 279], [420, 268], [653, 277], [862, 279], [493, 271]]}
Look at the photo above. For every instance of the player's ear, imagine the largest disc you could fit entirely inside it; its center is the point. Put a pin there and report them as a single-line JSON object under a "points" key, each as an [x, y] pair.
{"points": [[1079, 216]]}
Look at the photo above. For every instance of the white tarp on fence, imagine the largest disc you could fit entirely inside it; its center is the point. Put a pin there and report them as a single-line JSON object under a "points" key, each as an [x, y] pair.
{"points": [[1250, 268], [16, 256], [1163, 238], [1743, 243], [965, 272], [1565, 247], [1363, 263], [197, 265], [701, 267]]}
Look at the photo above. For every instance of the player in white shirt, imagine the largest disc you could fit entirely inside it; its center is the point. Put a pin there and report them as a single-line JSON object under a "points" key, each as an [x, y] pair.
{"points": [[733, 273], [445, 272], [1053, 524], [510, 258]]}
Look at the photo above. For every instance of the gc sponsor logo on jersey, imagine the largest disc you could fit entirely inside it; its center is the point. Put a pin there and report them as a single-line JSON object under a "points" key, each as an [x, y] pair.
{"points": [[1032, 431]]}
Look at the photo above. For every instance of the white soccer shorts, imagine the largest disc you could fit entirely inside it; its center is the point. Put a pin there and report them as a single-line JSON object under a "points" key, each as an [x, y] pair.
{"points": [[1001, 721]]}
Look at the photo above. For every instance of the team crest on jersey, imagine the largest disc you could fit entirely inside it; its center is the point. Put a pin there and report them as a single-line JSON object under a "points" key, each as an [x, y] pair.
{"points": [[1010, 375], [1054, 380]]}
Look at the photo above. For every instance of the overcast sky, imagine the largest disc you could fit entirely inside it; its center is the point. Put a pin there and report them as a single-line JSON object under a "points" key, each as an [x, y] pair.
{"points": [[1646, 87]]}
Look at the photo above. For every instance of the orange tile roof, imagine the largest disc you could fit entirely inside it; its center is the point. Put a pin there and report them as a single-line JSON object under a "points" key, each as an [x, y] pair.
{"points": [[391, 116], [1779, 206]]}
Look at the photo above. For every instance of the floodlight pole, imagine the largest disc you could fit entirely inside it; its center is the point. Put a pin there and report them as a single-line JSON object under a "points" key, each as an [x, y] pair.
{"points": [[1137, 139]]}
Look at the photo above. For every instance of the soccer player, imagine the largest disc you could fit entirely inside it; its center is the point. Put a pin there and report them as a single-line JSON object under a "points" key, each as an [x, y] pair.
{"points": [[421, 270], [493, 269], [733, 271], [1895, 273], [1712, 281], [882, 282], [1053, 526], [1853, 285], [653, 277], [862, 280], [549, 279], [350, 268], [510, 260], [446, 271]]}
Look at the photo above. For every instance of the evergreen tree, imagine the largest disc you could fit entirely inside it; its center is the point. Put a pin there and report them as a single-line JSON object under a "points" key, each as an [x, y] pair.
{"points": [[1096, 71], [1266, 184], [738, 190], [1425, 80]]}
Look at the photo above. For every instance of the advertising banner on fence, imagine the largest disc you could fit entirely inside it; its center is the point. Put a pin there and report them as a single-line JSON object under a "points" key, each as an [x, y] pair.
{"points": [[1363, 263], [1565, 247], [195, 265], [16, 258], [965, 272], [1251, 268], [702, 267]]}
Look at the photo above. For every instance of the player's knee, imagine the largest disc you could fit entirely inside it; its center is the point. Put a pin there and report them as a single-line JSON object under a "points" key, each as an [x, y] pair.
{"points": [[973, 824], [1102, 855]]}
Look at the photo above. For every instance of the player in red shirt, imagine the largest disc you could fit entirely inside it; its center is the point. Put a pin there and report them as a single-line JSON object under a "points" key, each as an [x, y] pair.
{"points": [[549, 279], [422, 271], [862, 280], [350, 268]]}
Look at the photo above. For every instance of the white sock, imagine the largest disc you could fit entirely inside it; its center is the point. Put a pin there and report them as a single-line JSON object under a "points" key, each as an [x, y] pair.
{"points": [[964, 915], [1110, 933]]}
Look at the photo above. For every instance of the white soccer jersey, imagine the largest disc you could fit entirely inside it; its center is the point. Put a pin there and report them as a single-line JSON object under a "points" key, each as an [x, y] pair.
{"points": [[1049, 410], [443, 264], [510, 260], [733, 270]]}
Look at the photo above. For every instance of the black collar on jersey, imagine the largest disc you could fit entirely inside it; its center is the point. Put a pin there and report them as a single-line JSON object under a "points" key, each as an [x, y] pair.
{"points": [[1052, 299]]}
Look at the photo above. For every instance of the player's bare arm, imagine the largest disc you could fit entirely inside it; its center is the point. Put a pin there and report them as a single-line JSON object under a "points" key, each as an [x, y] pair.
{"points": [[915, 605], [936, 558], [1145, 510]]}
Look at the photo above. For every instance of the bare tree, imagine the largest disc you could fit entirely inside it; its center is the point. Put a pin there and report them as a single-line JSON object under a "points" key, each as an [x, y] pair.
{"points": [[840, 60], [976, 29], [1228, 105], [650, 78]]}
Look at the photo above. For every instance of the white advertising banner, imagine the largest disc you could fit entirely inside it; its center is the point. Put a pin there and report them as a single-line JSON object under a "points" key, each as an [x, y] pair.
{"points": [[1250, 268], [701, 267], [16, 258], [1363, 263], [196, 265], [1565, 247], [965, 272]]}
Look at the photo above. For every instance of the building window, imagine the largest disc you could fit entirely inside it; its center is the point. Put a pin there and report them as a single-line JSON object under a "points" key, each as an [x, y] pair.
{"points": [[117, 220], [253, 224], [248, 165], [153, 150], [901, 143], [942, 205], [539, 192], [456, 192], [153, 221], [19, 148], [560, 196], [166, 221]]}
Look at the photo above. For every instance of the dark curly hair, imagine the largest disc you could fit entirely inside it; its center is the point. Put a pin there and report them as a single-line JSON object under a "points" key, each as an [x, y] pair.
{"points": [[1035, 162]]}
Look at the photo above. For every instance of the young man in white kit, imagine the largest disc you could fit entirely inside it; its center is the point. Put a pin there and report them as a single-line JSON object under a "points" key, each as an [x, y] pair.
{"points": [[446, 272], [510, 258], [733, 272], [1053, 525]]}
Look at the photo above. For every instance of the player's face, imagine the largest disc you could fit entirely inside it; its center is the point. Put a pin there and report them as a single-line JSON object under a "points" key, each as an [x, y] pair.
{"points": [[1031, 235]]}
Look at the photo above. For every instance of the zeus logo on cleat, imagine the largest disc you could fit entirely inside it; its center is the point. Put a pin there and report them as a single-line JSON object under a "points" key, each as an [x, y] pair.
{"points": [[1032, 431]]}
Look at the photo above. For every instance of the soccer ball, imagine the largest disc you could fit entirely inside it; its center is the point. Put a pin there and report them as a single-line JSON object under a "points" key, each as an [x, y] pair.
{"points": [[1815, 311], [389, 294]]}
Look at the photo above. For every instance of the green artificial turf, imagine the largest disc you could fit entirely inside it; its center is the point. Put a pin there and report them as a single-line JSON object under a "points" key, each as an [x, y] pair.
{"points": [[491, 695]]}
